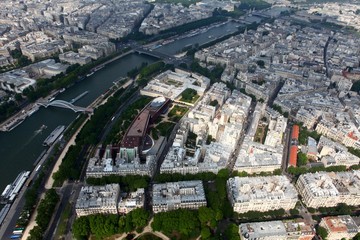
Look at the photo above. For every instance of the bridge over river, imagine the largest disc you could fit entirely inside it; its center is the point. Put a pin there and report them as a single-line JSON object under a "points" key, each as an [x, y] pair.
{"points": [[65, 104]]}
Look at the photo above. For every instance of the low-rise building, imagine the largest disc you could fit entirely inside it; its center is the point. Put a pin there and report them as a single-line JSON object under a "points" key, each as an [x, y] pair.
{"points": [[276, 230], [16, 81], [175, 195], [171, 84], [98, 199], [261, 193], [74, 58], [340, 227]]}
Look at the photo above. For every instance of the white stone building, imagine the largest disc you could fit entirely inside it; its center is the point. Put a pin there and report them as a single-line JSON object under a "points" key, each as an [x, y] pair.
{"points": [[261, 193], [175, 195]]}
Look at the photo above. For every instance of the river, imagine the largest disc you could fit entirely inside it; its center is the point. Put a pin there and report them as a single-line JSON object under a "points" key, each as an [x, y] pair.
{"points": [[20, 147], [200, 38]]}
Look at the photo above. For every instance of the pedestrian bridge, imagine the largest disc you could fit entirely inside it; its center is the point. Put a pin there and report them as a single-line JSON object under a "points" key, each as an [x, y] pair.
{"points": [[65, 104]]}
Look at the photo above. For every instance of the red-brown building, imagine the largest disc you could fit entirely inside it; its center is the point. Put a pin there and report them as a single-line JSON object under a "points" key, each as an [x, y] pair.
{"points": [[295, 132], [293, 155], [135, 135]]}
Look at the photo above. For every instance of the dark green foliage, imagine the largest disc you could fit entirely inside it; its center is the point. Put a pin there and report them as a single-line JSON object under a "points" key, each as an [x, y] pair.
{"points": [[209, 139], [189, 95], [128, 183], [304, 134], [322, 232], [340, 209], [177, 112], [214, 103], [301, 159], [294, 212], [165, 128], [101, 225], [147, 71], [74, 126], [279, 110], [36, 233], [214, 74], [135, 71], [301, 170], [357, 237], [21, 59], [259, 216], [45, 212], [232, 232], [260, 63], [354, 151], [81, 227], [183, 221], [7, 109]]}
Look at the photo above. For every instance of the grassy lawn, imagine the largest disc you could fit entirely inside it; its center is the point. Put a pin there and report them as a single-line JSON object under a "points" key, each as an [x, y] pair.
{"points": [[63, 222], [165, 128], [260, 134], [177, 112]]}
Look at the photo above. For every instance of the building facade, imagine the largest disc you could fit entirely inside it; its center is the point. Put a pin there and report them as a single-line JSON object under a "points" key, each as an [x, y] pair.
{"points": [[261, 193], [175, 195]]}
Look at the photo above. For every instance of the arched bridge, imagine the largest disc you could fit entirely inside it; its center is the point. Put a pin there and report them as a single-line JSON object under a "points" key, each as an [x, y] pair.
{"points": [[64, 104]]}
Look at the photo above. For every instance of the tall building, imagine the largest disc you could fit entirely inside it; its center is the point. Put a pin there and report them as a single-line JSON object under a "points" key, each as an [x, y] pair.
{"points": [[98, 199], [261, 193], [324, 189], [175, 195]]}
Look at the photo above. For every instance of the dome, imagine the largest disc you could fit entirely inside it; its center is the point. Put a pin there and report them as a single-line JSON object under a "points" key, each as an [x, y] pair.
{"points": [[157, 102]]}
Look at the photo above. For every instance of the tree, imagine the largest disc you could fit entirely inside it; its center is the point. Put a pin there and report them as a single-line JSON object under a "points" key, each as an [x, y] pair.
{"points": [[302, 159], [207, 217], [81, 228], [357, 237], [205, 233], [18, 97], [139, 217], [322, 232], [343, 209], [232, 232], [36, 233], [294, 212], [214, 103], [260, 63]]}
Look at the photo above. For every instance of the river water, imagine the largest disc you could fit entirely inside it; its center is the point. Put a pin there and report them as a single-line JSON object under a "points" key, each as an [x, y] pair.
{"points": [[20, 147], [201, 38]]}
